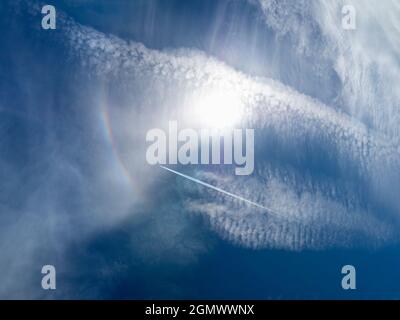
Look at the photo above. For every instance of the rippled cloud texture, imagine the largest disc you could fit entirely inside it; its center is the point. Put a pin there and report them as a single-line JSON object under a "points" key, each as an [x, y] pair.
{"points": [[322, 101]]}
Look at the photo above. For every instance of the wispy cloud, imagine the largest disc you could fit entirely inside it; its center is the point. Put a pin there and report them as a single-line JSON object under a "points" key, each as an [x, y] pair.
{"points": [[331, 212], [348, 201]]}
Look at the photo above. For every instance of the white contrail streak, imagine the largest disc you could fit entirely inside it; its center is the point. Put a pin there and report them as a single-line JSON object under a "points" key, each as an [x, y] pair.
{"points": [[221, 190]]}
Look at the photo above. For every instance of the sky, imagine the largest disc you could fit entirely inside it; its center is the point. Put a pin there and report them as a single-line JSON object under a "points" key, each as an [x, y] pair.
{"points": [[76, 191]]}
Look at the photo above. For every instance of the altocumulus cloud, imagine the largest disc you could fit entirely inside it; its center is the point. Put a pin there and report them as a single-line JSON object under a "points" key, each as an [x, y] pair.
{"points": [[62, 183], [337, 203], [327, 171]]}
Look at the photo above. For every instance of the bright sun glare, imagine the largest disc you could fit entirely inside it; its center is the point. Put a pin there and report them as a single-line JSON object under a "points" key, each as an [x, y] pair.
{"points": [[218, 109]]}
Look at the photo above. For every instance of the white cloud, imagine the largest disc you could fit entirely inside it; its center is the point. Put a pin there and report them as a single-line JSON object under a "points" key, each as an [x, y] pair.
{"points": [[163, 82], [365, 60]]}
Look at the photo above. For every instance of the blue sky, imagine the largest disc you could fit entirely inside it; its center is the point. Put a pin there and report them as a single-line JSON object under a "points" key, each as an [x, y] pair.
{"points": [[77, 193]]}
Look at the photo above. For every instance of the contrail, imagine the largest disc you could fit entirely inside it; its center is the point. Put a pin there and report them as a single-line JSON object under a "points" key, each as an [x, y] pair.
{"points": [[221, 190]]}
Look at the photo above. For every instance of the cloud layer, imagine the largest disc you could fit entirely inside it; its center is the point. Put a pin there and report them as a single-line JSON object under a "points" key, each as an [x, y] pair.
{"points": [[338, 203], [331, 171]]}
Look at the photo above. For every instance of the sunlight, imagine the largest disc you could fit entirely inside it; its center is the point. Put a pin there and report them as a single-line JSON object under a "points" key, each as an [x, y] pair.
{"points": [[218, 109]]}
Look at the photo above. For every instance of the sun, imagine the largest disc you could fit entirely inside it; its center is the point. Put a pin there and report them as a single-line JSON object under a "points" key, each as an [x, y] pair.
{"points": [[217, 109]]}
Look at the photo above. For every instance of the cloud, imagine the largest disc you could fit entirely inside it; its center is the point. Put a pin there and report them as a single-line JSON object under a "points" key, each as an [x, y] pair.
{"points": [[63, 184], [316, 211], [365, 60], [332, 175]]}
